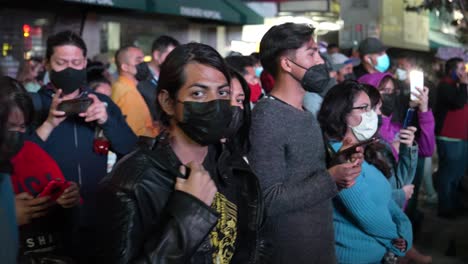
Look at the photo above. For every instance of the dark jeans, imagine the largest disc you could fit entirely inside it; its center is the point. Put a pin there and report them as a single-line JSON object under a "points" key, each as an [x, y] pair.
{"points": [[452, 165], [411, 210]]}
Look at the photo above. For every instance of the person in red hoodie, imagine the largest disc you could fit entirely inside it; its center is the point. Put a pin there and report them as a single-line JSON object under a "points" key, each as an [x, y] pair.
{"points": [[245, 66], [452, 135], [42, 219]]}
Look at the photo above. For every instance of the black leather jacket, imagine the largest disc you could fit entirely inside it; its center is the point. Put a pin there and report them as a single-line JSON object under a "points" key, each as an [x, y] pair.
{"points": [[142, 219]]}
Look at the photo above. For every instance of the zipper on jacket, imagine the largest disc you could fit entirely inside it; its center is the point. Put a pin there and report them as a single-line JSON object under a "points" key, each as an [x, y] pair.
{"points": [[76, 145]]}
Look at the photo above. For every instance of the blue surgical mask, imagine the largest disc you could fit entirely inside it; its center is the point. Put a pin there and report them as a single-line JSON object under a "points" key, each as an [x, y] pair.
{"points": [[383, 63], [258, 71], [401, 74]]}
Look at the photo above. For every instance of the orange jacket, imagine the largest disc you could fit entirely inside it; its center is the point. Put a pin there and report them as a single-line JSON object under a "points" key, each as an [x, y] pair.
{"points": [[133, 107]]}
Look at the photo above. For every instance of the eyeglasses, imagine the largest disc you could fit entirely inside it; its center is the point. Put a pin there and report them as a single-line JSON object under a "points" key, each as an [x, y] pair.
{"points": [[365, 108]]}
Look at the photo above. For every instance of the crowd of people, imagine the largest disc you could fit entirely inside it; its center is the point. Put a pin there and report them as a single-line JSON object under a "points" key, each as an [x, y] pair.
{"points": [[289, 155]]}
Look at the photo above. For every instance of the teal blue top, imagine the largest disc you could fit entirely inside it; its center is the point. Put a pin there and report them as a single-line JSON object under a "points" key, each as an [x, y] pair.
{"points": [[367, 219], [8, 226]]}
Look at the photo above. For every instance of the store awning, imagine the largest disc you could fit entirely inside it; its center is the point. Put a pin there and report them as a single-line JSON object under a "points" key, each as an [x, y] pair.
{"points": [[227, 11], [125, 4], [230, 11], [439, 39]]}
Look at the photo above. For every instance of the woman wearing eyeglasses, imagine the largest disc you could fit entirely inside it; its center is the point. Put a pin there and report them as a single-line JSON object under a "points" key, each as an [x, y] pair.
{"points": [[368, 224]]}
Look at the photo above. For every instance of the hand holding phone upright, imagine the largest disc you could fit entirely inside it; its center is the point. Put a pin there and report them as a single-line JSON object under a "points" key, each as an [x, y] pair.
{"points": [[416, 81]]}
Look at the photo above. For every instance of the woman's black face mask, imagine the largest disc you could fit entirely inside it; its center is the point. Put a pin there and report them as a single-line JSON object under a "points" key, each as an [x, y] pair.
{"points": [[236, 122]]}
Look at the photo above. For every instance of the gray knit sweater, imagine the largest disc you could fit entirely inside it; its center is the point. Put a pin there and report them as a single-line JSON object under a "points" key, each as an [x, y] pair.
{"points": [[288, 156]]}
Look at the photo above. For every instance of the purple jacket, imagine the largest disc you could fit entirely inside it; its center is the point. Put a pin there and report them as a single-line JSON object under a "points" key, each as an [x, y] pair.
{"points": [[389, 129], [426, 141]]}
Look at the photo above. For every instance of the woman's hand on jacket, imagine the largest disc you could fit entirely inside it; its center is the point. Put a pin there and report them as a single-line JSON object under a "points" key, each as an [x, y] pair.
{"points": [[198, 183]]}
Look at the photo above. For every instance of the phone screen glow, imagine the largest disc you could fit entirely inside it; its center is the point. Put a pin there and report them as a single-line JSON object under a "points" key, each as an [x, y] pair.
{"points": [[416, 80]]}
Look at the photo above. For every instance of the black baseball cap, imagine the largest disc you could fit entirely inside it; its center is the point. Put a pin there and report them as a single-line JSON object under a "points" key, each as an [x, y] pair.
{"points": [[371, 46]]}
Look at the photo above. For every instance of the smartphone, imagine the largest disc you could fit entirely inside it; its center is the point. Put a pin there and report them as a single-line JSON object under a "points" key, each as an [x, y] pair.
{"points": [[54, 189], [408, 117], [344, 155], [416, 80], [75, 106]]}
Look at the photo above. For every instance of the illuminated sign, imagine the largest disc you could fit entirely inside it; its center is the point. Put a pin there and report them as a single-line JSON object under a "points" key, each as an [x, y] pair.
{"points": [[198, 12]]}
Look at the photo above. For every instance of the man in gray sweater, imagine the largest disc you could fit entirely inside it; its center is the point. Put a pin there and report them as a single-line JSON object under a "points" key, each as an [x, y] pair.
{"points": [[288, 153]]}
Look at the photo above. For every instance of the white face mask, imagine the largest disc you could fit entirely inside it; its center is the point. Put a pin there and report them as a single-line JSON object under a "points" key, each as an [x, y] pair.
{"points": [[401, 74], [368, 126]]}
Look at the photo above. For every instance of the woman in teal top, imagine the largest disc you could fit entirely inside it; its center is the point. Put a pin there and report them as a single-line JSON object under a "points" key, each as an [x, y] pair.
{"points": [[8, 148], [368, 223]]}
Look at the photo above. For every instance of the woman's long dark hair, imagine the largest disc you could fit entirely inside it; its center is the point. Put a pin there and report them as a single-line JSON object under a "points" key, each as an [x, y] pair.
{"points": [[12, 95], [337, 104], [241, 141], [378, 154]]}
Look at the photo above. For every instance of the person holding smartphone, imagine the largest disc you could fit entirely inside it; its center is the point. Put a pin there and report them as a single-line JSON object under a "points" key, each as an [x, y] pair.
{"points": [[44, 224], [368, 223], [8, 226], [392, 128], [73, 140], [452, 136]]}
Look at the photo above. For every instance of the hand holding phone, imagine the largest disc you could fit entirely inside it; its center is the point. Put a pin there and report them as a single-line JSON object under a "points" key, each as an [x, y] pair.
{"points": [[408, 117], [351, 150], [75, 106], [54, 189], [416, 81], [345, 155]]}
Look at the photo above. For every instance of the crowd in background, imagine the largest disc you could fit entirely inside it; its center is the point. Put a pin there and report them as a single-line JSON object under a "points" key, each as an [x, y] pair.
{"points": [[295, 154]]}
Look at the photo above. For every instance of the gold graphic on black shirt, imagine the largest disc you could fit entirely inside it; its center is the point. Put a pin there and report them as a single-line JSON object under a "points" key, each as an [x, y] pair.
{"points": [[223, 236]]}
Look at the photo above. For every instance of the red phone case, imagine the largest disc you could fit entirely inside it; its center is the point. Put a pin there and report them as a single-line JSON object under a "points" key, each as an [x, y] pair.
{"points": [[54, 189]]}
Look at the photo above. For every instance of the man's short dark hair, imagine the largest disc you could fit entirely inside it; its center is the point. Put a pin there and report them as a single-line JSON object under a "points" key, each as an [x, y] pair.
{"points": [[280, 39], [255, 56], [240, 63], [163, 42], [64, 38], [332, 46], [407, 56], [119, 55], [451, 65]]}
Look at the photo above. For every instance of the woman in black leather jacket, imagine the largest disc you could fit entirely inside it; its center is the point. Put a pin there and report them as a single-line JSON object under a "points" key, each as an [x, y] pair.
{"points": [[186, 198]]}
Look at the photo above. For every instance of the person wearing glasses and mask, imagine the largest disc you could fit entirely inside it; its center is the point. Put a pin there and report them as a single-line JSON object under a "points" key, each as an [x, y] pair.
{"points": [[183, 199], [368, 223]]}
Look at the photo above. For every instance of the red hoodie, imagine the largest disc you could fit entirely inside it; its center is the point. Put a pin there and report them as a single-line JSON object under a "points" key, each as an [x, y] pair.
{"points": [[33, 168], [452, 109]]}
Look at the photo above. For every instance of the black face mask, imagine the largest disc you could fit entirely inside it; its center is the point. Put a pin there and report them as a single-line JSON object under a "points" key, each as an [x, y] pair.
{"points": [[206, 123], [69, 80], [143, 72], [388, 104], [13, 143], [40, 76], [236, 122], [350, 76], [316, 79]]}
